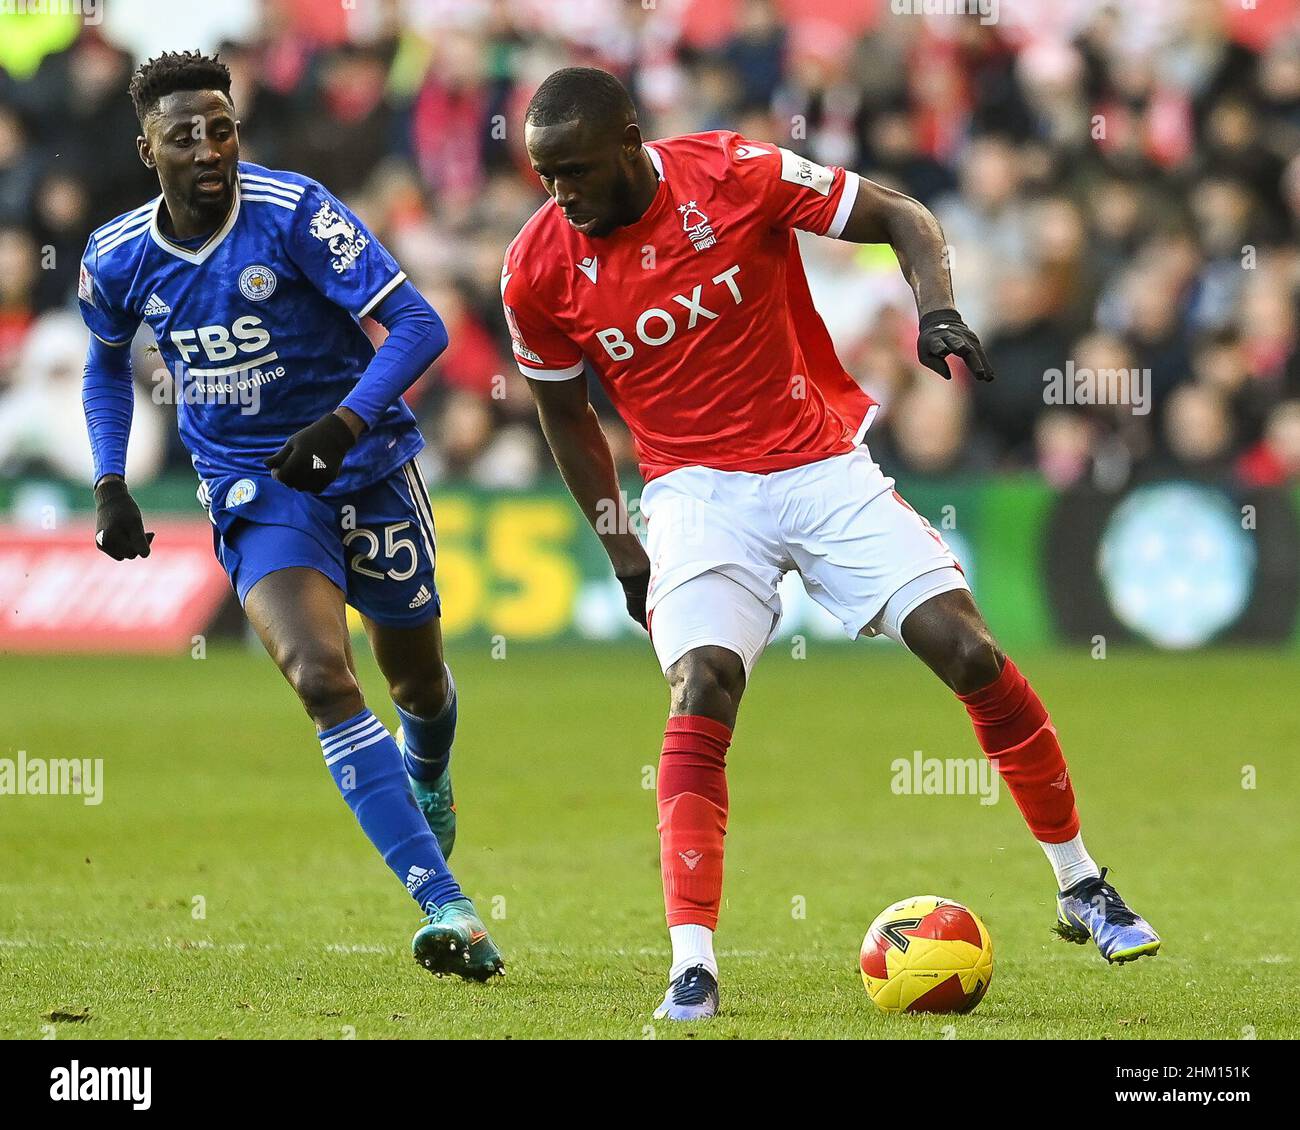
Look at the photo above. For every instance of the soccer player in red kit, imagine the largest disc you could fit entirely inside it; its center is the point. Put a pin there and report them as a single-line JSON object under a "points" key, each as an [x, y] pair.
{"points": [[670, 270]]}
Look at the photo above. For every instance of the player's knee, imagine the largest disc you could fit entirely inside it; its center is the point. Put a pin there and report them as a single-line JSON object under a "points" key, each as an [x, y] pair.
{"points": [[325, 686], [422, 693], [974, 662], [709, 681]]}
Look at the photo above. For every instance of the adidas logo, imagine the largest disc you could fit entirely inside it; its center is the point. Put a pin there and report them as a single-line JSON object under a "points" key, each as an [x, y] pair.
{"points": [[1063, 781], [416, 877], [421, 598], [691, 858], [155, 307], [589, 267], [317, 463]]}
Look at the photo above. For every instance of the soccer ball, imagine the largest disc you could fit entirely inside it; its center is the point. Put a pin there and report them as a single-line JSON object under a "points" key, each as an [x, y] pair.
{"points": [[927, 954]]}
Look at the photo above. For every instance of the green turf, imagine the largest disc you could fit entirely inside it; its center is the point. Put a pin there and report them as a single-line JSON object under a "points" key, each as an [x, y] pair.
{"points": [[214, 788]]}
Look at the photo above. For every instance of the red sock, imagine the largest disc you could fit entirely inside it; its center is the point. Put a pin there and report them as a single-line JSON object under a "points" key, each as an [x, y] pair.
{"points": [[1017, 735], [692, 798]]}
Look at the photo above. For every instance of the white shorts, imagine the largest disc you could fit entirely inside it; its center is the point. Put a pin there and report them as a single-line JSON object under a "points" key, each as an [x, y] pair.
{"points": [[838, 522]]}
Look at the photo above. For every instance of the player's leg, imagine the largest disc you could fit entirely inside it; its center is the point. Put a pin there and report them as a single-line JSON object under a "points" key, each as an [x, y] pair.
{"points": [[948, 634], [946, 630], [708, 634], [713, 607], [401, 608], [869, 558], [300, 617], [424, 693], [389, 543]]}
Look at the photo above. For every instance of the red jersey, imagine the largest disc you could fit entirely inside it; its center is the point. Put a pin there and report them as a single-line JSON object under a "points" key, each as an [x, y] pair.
{"points": [[697, 318]]}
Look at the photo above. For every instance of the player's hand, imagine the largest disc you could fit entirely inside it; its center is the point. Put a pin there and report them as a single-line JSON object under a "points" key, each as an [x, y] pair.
{"points": [[944, 333], [119, 526], [311, 459], [636, 586]]}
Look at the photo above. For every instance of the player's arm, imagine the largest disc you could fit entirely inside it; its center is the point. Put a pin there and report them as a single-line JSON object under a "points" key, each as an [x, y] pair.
{"points": [[881, 215], [556, 371], [367, 283], [108, 400], [586, 463], [312, 458]]}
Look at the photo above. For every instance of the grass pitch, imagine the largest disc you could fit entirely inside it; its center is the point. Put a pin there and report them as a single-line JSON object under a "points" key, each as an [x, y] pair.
{"points": [[222, 888]]}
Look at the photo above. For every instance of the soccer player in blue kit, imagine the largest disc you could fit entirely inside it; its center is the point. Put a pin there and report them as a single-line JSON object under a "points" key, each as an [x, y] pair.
{"points": [[254, 283]]}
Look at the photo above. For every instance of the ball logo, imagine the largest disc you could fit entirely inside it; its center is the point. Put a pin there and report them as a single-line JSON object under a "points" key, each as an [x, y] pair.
{"points": [[257, 283], [243, 491], [892, 932]]}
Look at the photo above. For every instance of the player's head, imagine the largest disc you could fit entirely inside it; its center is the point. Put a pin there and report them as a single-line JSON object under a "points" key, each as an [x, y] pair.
{"points": [[583, 141], [188, 130]]}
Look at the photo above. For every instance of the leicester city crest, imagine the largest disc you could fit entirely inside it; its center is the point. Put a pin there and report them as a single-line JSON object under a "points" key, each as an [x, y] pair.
{"points": [[241, 492], [257, 283]]}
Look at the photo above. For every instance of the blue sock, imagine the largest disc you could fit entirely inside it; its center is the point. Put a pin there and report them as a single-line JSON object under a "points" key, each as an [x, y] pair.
{"points": [[428, 740], [366, 765]]}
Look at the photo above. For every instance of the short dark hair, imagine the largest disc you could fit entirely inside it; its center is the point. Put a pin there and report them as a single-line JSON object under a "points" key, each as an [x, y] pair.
{"points": [[176, 70], [585, 93]]}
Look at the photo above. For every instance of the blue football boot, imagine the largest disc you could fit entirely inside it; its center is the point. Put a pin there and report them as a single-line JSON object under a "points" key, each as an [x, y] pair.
{"points": [[453, 939], [1093, 910], [692, 996]]}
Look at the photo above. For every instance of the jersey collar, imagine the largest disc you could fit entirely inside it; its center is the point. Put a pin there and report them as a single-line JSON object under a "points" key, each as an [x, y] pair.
{"points": [[214, 241]]}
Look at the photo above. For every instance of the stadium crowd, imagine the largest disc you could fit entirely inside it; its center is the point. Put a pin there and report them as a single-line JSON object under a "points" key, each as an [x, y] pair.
{"points": [[1119, 185]]}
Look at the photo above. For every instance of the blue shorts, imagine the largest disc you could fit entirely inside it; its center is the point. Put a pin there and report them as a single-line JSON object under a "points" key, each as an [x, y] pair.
{"points": [[376, 544]]}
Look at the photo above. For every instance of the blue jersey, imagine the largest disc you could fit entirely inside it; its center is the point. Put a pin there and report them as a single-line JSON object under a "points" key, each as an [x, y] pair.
{"points": [[259, 326]]}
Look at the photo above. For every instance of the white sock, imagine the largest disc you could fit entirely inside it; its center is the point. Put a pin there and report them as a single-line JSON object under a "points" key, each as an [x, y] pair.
{"points": [[1071, 862], [692, 945]]}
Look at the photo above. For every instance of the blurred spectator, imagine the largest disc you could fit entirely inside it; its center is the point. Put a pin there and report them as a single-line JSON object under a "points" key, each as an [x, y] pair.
{"points": [[755, 53], [1064, 442], [928, 432], [19, 268], [1220, 361], [59, 224], [1027, 342], [1275, 461], [42, 431], [1119, 190], [1198, 434], [18, 169]]}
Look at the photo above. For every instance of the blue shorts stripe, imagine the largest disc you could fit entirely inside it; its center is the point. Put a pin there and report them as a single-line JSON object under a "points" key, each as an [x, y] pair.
{"points": [[423, 511]]}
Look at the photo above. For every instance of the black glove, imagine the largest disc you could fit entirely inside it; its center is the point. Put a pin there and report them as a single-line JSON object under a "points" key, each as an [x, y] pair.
{"points": [[635, 588], [943, 332], [119, 528], [311, 459]]}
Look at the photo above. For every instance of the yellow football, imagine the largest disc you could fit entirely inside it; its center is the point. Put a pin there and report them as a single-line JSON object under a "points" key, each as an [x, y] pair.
{"points": [[927, 954]]}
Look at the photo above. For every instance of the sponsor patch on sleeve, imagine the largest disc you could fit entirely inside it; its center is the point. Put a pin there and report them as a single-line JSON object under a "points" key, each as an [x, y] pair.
{"points": [[340, 236], [86, 285], [517, 339], [801, 171]]}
